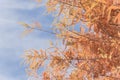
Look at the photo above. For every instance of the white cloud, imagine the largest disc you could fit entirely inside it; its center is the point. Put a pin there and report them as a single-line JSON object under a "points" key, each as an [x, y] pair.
{"points": [[21, 4], [17, 4], [9, 40], [10, 37], [3, 77]]}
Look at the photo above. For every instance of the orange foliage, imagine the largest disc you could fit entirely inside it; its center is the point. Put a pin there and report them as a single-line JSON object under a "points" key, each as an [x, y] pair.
{"points": [[86, 55]]}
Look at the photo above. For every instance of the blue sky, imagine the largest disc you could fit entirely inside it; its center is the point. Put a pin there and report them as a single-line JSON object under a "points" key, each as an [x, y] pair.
{"points": [[12, 46]]}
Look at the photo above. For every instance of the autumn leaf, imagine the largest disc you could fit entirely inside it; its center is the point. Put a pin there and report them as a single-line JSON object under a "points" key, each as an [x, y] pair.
{"points": [[81, 54], [24, 24]]}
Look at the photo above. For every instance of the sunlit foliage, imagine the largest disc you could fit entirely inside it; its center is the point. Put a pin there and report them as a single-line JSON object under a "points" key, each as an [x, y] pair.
{"points": [[90, 53]]}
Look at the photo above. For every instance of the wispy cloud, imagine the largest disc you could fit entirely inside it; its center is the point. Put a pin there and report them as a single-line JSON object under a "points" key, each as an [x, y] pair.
{"points": [[11, 45], [3, 77], [17, 4]]}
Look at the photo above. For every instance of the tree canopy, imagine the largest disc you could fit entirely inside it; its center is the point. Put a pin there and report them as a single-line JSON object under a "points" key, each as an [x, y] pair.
{"points": [[89, 52]]}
